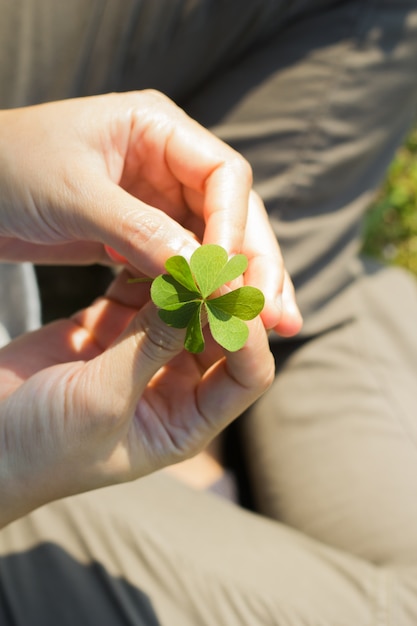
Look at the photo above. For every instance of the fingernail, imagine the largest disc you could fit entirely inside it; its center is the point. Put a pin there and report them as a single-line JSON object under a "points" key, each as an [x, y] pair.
{"points": [[115, 256]]}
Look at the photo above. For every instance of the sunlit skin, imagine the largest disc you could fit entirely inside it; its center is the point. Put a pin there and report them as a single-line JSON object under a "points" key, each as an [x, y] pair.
{"points": [[132, 173], [110, 395]]}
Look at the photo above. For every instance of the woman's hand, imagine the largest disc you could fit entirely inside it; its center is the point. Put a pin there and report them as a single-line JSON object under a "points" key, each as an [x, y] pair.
{"points": [[131, 176], [110, 395]]}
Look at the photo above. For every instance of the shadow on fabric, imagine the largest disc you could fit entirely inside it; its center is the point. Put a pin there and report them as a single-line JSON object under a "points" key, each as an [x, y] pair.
{"points": [[45, 586]]}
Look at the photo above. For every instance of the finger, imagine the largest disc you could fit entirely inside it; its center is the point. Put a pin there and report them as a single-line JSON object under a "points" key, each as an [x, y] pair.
{"points": [[117, 258], [234, 383], [133, 295], [123, 371], [207, 168], [104, 321], [290, 322], [220, 178], [267, 271], [120, 260], [266, 265], [78, 253], [138, 233], [83, 337], [177, 158]]}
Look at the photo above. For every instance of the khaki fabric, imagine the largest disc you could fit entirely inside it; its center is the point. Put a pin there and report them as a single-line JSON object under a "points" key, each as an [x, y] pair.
{"points": [[158, 553]]}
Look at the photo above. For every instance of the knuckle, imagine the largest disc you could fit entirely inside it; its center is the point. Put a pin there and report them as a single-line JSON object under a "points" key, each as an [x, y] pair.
{"points": [[256, 200], [242, 167], [145, 228], [234, 163], [156, 96], [269, 377], [144, 231], [264, 376], [263, 381], [158, 342]]}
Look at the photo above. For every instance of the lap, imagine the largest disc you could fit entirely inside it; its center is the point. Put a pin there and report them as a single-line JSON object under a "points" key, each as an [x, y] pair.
{"points": [[165, 554], [332, 446]]}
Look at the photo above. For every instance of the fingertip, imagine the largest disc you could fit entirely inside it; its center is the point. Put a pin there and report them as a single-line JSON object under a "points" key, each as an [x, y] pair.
{"points": [[283, 314], [289, 326], [253, 366], [271, 313]]}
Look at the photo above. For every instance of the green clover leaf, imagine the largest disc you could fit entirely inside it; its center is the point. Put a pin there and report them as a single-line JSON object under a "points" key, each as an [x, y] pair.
{"points": [[183, 297]]}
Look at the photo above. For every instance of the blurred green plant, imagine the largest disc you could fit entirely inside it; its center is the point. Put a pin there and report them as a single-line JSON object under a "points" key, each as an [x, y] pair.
{"points": [[390, 230]]}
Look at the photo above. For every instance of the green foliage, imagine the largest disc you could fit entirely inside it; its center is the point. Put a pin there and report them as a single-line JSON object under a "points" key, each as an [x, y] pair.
{"points": [[185, 299], [391, 224]]}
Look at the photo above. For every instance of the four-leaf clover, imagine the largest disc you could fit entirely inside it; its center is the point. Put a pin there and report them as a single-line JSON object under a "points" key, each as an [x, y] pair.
{"points": [[184, 297]]}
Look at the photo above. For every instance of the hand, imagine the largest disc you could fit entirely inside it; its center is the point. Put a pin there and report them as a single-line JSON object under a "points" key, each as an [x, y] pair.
{"points": [[87, 180], [110, 396]]}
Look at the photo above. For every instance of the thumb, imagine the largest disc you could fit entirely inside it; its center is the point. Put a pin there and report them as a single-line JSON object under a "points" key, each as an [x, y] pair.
{"points": [[122, 372], [144, 235]]}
